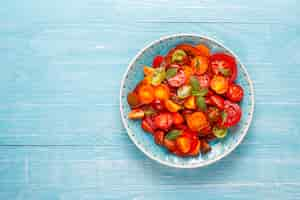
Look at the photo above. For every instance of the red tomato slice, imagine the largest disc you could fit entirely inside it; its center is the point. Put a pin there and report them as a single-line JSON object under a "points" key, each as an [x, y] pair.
{"points": [[225, 65], [177, 80], [157, 61], [235, 93], [217, 101], [204, 81], [233, 114], [163, 121]]}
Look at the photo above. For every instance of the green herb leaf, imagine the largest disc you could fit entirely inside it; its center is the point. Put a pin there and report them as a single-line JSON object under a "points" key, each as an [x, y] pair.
{"points": [[224, 117], [184, 91], [158, 76], [200, 101], [225, 72], [194, 83], [219, 132], [202, 92], [173, 134], [171, 72]]}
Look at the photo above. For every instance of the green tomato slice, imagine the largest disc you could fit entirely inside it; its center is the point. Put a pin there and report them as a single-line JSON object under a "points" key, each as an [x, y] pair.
{"points": [[220, 132]]}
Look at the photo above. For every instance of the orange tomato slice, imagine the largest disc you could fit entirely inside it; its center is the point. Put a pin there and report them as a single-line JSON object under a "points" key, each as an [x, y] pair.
{"points": [[196, 121], [205, 51], [188, 72], [146, 94], [162, 92], [148, 71], [200, 64], [171, 106], [190, 103], [219, 84], [183, 144]]}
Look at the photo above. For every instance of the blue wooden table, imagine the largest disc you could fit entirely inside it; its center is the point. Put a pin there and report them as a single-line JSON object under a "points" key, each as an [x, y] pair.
{"points": [[61, 135]]}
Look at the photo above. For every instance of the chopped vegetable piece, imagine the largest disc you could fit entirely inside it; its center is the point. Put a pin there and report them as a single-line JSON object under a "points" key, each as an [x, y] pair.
{"points": [[213, 114], [159, 137], [136, 114], [188, 72], [173, 134], [203, 49], [148, 71], [196, 121], [222, 63], [148, 125], [170, 144], [178, 55], [157, 61], [162, 92], [190, 103], [204, 81], [133, 100], [233, 114], [217, 101], [235, 93], [171, 106], [200, 64], [219, 84], [184, 91], [158, 77], [163, 121], [178, 80], [146, 94], [158, 105], [183, 144], [219, 132], [195, 149], [177, 118]]}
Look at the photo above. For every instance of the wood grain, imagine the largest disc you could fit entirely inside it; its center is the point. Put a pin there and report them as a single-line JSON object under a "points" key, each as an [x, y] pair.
{"points": [[61, 135]]}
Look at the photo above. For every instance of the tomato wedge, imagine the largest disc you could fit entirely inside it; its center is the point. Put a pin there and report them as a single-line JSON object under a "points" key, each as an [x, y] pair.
{"points": [[199, 64], [178, 80], [235, 93], [204, 80], [219, 84], [217, 101], [163, 121], [232, 114], [224, 64]]}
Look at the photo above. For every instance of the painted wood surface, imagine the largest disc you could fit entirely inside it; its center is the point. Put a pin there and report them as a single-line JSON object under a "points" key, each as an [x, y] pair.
{"points": [[61, 135]]}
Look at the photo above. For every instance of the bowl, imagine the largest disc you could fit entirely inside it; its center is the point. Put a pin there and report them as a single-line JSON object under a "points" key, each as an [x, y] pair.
{"points": [[145, 142]]}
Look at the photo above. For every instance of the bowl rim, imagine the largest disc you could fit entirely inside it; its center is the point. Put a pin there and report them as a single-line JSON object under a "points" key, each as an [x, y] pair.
{"points": [[200, 164]]}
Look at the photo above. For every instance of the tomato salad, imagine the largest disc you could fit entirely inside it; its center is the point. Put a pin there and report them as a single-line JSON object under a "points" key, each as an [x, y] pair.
{"points": [[187, 99]]}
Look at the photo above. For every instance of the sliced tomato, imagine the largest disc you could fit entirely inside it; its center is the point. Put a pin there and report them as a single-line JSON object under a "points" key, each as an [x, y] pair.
{"points": [[161, 92], [189, 49], [170, 144], [199, 64], [157, 61], [219, 84], [145, 93], [159, 137], [235, 93], [224, 64], [172, 106], [148, 125], [158, 105], [177, 80], [163, 121], [232, 114], [177, 118], [183, 144], [205, 51], [196, 121], [217, 101], [195, 148], [213, 114], [205, 147], [204, 80]]}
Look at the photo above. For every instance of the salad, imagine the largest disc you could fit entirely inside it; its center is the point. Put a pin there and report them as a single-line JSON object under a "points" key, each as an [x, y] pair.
{"points": [[187, 99]]}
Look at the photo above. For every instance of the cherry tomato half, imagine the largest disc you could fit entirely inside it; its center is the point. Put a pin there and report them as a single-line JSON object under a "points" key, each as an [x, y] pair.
{"points": [[178, 80], [232, 114], [235, 93], [163, 121], [219, 84], [204, 81], [157, 61], [199, 64], [225, 65], [217, 101]]}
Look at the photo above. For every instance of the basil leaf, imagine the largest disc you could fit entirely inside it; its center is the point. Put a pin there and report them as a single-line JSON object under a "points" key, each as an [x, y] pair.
{"points": [[194, 83], [225, 72], [202, 92], [200, 101], [173, 134], [171, 72]]}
